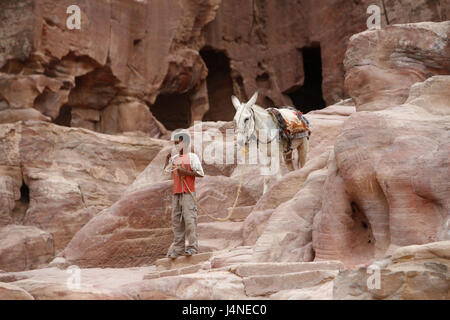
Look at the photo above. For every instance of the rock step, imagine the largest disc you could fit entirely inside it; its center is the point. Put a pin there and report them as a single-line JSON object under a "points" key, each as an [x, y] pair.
{"points": [[239, 214], [273, 268], [267, 284], [182, 261], [191, 264], [173, 272]]}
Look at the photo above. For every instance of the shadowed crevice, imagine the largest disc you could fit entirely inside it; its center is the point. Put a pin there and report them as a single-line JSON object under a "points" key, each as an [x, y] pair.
{"points": [[309, 96], [219, 84]]}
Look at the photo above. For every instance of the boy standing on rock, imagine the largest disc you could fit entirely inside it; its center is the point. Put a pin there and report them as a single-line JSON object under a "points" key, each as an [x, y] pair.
{"points": [[185, 167]]}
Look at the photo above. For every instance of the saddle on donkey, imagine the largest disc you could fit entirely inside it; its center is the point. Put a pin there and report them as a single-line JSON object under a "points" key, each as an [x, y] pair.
{"points": [[292, 123]]}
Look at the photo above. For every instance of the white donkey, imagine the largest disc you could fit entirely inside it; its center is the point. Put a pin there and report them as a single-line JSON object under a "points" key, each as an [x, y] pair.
{"points": [[251, 120]]}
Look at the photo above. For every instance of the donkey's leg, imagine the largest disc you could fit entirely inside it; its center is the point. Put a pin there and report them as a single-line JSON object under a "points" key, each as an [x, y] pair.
{"points": [[268, 177], [272, 168], [288, 160], [265, 166], [279, 173], [303, 152], [266, 184]]}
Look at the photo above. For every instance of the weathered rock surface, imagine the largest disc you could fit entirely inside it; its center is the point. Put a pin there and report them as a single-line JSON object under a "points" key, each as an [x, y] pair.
{"points": [[58, 178], [87, 77], [12, 292], [288, 233], [105, 76], [381, 76], [264, 41], [414, 272], [410, 273], [133, 231], [388, 184], [57, 284], [183, 278], [24, 247]]}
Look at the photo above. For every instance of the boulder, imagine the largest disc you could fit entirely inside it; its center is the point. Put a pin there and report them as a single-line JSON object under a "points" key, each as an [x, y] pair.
{"points": [[288, 232], [24, 248], [133, 231], [387, 184], [418, 272]]}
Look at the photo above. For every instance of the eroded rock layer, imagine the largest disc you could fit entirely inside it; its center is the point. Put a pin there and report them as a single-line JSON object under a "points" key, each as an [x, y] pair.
{"points": [[148, 66]]}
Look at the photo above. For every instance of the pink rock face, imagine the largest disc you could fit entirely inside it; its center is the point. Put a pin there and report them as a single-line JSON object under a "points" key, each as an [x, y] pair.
{"points": [[264, 39], [417, 272], [58, 178], [112, 58], [24, 247], [12, 292], [134, 231], [287, 235], [388, 182], [380, 76], [106, 76]]}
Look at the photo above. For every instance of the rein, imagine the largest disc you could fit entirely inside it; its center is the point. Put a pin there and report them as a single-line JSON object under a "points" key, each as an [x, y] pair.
{"points": [[206, 213]]}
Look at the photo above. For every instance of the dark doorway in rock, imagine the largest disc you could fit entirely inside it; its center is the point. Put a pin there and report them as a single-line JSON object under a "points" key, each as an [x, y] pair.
{"points": [[309, 96], [24, 193], [21, 205], [220, 85], [173, 110], [362, 242], [65, 116]]}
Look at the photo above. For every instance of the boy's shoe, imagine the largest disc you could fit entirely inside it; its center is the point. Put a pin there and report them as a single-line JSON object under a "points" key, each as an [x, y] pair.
{"points": [[189, 252], [173, 255]]}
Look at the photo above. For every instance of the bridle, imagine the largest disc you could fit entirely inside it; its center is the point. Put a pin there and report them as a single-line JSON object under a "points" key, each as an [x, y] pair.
{"points": [[252, 136]]}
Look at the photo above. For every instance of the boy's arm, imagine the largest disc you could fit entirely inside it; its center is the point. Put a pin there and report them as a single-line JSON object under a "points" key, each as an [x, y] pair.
{"points": [[196, 166], [168, 164], [185, 172]]}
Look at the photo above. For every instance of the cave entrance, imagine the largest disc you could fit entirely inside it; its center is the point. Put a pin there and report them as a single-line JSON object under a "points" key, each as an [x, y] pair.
{"points": [[21, 205], [309, 96], [24, 193], [173, 110], [219, 84]]}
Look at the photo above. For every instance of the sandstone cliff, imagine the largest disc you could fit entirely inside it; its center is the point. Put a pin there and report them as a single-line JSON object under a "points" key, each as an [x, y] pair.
{"points": [[84, 120]]}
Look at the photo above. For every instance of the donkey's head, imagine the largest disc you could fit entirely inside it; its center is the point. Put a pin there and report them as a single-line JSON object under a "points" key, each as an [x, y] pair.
{"points": [[244, 119]]}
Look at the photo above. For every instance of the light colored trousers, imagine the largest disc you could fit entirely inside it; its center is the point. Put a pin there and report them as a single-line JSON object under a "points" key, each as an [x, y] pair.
{"points": [[184, 223]]}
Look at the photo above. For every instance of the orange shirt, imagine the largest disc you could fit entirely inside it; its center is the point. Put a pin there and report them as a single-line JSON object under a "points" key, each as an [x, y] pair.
{"points": [[178, 184]]}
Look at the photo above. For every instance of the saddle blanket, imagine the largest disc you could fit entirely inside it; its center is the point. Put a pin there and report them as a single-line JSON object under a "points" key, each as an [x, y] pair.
{"points": [[293, 123]]}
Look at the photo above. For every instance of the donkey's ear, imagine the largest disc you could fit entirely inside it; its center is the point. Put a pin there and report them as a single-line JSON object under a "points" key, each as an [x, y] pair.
{"points": [[236, 102], [253, 99]]}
